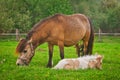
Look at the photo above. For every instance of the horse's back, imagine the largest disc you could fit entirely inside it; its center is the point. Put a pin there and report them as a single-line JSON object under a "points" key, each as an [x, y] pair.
{"points": [[75, 27], [68, 28], [73, 23]]}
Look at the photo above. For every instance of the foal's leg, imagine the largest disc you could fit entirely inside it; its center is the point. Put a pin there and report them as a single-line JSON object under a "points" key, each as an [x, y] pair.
{"points": [[50, 46], [61, 48]]}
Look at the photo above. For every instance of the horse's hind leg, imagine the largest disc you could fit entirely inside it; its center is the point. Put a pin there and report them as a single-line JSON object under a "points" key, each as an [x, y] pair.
{"points": [[81, 47], [85, 47], [77, 49], [50, 46]]}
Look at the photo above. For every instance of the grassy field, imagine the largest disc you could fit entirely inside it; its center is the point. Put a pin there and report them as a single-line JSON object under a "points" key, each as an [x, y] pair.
{"points": [[109, 47]]}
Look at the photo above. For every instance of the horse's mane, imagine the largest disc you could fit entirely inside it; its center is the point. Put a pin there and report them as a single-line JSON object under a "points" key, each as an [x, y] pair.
{"points": [[56, 18], [50, 18], [21, 46]]}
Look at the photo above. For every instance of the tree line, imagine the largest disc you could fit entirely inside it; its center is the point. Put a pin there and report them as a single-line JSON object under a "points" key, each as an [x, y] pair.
{"points": [[23, 14]]}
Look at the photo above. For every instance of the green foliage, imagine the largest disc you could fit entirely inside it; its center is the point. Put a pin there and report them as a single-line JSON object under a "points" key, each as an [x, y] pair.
{"points": [[109, 8], [57, 6], [6, 23], [114, 20], [14, 14], [37, 69], [99, 11], [23, 14], [89, 8]]}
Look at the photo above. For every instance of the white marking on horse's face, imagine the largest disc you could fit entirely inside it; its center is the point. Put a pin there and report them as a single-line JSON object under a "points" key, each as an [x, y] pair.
{"points": [[25, 56]]}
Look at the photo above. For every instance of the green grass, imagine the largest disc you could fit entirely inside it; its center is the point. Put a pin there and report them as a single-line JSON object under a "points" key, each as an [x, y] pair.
{"points": [[109, 47]]}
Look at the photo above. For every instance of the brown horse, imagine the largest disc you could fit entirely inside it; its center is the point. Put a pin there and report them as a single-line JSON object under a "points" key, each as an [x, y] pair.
{"points": [[61, 30]]}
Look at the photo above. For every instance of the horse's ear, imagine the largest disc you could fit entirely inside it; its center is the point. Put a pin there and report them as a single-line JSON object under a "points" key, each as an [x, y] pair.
{"points": [[21, 39], [20, 45], [30, 41]]}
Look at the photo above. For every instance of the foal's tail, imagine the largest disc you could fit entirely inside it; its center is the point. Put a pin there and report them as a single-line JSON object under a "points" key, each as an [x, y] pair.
{"points": [[91, 39]]}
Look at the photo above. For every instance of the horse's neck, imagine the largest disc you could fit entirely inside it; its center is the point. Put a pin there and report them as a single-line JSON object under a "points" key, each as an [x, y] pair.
{"points": [[38, 38], [41, 33]]}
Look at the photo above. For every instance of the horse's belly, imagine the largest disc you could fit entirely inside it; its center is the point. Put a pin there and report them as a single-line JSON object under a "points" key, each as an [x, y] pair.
{"points": [[72, 39], [68, 43]]}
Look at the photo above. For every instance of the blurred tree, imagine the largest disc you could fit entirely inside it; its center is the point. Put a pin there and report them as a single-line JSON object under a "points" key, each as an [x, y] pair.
{"points": [[109, 8], [89, 8], [44, 8], [23, 14], [13, 14], [114, 20], [6, 22], [106, 5], [99, 11]]}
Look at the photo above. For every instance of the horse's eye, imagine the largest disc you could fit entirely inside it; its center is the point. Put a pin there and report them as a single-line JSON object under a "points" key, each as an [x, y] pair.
{"points": [[25, 51]]}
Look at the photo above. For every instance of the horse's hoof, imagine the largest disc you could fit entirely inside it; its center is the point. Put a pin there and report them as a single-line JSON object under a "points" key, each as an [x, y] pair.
{"points": [[49, 66]]}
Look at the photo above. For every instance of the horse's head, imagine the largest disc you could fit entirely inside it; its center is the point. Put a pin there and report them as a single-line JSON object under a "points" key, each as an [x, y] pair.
{"points": [[26, 52]]}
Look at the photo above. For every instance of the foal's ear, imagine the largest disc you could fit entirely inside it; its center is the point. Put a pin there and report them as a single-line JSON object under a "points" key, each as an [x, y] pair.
{"points": [[102, 56], [96, 53], [99, 57]]}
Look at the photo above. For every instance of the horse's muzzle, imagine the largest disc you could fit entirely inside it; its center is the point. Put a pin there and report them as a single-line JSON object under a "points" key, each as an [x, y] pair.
{"points": [[21, 62]]}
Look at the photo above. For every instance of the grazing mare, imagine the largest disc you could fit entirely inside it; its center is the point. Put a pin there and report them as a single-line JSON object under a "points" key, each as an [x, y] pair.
{"points": [[61, 30]]}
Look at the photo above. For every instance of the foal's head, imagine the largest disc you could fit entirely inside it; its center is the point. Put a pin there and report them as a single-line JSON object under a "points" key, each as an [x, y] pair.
{"points": [[99, 61], [26, 52], [96, 63]]}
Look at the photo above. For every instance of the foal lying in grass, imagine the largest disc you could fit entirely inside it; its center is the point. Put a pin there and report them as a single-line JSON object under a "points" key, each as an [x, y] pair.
{"points": [[88, 61]]}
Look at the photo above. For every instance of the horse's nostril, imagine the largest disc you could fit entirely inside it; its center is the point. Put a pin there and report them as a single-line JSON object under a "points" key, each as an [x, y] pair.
{"points": [[18, 64]]}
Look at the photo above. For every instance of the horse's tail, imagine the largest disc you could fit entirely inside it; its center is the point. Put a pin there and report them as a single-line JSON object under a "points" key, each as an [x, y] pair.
{"points": [[91, 39]]}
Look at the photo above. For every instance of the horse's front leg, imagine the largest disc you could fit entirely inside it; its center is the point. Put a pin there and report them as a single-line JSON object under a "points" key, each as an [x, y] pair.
{"points": [[61, 48], [50, 47]]}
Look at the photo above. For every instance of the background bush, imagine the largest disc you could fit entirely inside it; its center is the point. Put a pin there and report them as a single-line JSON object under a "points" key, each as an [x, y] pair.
{"points": [[23, 14]]}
